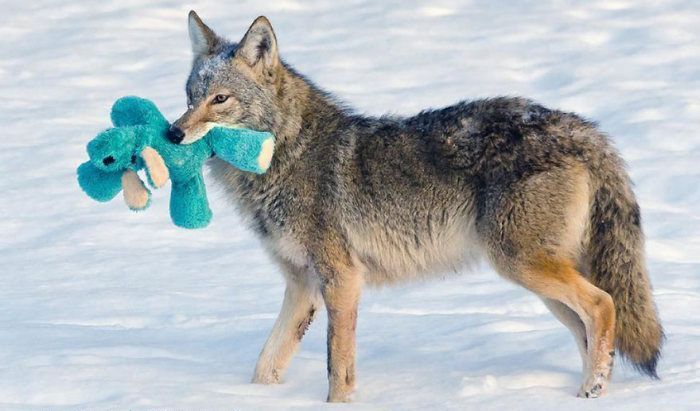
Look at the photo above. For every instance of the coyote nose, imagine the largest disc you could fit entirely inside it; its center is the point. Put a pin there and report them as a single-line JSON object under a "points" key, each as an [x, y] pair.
{"points": [[108, 160], [175, 134]]}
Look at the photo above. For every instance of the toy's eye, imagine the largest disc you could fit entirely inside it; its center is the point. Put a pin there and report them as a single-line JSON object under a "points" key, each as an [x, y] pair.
{"points": [[219, 98]]}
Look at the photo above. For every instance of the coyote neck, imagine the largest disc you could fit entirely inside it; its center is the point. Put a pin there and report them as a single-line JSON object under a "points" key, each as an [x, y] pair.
{"points": [[307, 114]]}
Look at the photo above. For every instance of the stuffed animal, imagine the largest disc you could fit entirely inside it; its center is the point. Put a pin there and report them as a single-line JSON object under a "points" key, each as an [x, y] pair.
{"points": [[138, 141]]}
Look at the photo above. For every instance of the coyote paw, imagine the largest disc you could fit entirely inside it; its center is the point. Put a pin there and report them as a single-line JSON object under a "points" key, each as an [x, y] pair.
{"points": [[594, 387], [339, 396], [341, 389], [266, 377]]}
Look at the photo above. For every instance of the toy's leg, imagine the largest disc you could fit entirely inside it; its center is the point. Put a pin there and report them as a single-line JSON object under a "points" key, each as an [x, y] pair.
{"points": [[189, 207], [97, 184]]}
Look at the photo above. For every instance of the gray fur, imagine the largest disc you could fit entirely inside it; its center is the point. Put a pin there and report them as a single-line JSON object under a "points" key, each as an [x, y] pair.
{"points": [[398, 198]]}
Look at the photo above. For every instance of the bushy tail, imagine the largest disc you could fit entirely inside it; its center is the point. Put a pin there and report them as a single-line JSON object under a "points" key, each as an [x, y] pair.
{"points": [[616, 251]]}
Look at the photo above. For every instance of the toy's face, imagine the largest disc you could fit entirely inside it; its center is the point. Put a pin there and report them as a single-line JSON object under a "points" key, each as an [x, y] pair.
{"points": [[113, 149]]}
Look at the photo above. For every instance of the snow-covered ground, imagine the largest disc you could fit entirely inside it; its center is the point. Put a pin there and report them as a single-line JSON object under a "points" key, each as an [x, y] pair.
{"points": [[101, 308]]}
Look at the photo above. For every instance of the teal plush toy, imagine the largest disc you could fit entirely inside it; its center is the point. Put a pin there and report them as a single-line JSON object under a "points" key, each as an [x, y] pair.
{"points": [[139, 141]]}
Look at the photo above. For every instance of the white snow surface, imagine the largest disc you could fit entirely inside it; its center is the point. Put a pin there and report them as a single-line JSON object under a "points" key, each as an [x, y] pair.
{"points": [[102, 308]]}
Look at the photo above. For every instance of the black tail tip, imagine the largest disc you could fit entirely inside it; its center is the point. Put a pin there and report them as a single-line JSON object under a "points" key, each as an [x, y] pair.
{"points": [[648, 367]]}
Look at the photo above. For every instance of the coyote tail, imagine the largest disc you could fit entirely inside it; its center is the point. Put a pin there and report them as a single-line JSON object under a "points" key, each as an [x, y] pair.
{"points": [[616, 253]]}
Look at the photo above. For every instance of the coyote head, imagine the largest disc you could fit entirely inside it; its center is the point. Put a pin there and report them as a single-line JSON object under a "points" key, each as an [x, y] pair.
{"points": [[231, 84]]}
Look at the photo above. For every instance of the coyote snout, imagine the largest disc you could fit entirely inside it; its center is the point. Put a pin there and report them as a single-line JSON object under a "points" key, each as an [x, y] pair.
{"points": [[175, 134], [194, 124]]}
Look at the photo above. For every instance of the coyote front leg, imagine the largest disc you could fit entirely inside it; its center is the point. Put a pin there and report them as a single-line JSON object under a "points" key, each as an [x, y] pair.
{"points": [[341, 286], [301, 301]]}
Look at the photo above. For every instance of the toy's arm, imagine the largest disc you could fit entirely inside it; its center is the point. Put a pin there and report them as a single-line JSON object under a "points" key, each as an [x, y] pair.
{"points": [[245, 149]]}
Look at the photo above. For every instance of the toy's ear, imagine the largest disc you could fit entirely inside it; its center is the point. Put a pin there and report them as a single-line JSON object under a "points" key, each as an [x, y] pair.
{"points": [[155, 167], [111, 150], [98, 184], [132, 111], [136, 195]]}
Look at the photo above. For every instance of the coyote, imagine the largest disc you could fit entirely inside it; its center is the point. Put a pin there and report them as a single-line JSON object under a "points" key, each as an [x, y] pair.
{"points": [[540, 194]]}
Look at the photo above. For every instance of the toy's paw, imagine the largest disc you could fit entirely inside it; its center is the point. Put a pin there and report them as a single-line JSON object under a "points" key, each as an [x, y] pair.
{"points": [[98, 184], [266, 151], [136, 195]]}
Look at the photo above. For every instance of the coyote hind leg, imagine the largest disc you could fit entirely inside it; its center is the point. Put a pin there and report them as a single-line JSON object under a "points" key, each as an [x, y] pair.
{"points": [[558, 280], [573, 322]]}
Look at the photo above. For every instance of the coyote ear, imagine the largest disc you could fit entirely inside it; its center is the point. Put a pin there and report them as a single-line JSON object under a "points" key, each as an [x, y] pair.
{"points": [[259, 45], [202, 38]]}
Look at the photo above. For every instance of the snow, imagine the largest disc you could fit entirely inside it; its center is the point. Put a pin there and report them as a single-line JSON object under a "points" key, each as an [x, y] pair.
{"points": [[103, 308]]}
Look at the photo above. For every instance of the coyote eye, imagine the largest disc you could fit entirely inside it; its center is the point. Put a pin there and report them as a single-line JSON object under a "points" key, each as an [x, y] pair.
{"points": [[219, 98]]}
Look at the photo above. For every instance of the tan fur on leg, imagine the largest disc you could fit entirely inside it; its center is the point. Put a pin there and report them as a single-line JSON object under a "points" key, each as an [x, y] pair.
{"points": [[301, 301], [341, 277], [135, 193], [558, 280], [578, 329], [341, 304]]}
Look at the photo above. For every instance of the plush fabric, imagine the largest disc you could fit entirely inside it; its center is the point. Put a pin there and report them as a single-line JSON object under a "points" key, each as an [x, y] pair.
{"points": [[137, 140], [99, 185]]}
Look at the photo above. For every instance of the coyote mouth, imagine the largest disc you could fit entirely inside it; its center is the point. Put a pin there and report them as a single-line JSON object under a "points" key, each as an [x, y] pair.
{"points": [[193, 137]]}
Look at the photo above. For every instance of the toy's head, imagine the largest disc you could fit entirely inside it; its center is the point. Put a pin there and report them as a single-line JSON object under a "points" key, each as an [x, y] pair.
{"points": [[136, 121], [116, 154], [114, 149], [139, 140]]}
